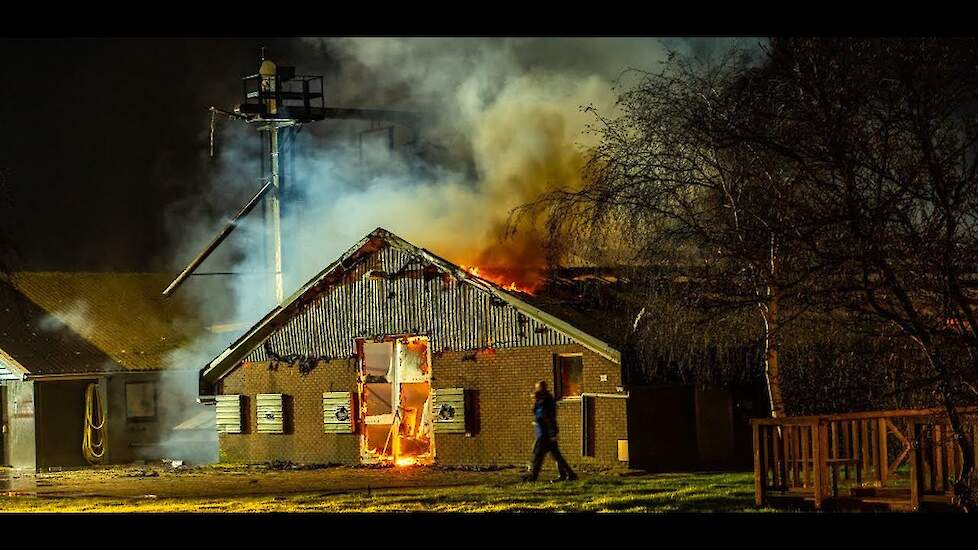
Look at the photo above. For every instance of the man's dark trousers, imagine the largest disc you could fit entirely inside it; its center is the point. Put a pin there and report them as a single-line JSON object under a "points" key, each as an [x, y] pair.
{"points": [[546, 445]]}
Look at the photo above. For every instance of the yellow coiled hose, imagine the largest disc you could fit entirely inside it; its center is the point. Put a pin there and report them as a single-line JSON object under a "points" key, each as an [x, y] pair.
{"points": [[94, 437]]}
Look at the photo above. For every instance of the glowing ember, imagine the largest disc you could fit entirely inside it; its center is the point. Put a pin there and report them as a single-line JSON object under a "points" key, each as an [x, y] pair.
{"points": [[404, 461]]}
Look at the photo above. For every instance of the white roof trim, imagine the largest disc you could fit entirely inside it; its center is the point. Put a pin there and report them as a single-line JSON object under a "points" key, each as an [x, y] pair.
{"points": [[12, 365]]}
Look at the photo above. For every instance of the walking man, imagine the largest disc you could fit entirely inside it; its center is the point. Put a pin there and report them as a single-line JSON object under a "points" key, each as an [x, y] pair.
{"points": [[545, 415]]}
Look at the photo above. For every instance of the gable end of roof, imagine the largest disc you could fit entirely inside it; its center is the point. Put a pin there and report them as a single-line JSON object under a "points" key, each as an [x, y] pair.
{"points": [[224, 363]]}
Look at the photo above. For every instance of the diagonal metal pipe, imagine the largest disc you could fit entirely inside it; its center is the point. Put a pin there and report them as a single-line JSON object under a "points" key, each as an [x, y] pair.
{"points": [[217, 240]]}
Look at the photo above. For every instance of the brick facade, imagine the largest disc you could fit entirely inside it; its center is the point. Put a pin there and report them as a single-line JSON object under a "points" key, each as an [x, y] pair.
{"points": [[304, 441], [501, 383]]}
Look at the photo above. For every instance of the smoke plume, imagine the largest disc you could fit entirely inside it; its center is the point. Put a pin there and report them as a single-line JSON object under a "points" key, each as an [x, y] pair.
{"points": [[504, 121]]}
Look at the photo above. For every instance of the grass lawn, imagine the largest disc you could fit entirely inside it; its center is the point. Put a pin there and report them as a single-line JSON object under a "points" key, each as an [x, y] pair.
{"points": [[343, 489]]}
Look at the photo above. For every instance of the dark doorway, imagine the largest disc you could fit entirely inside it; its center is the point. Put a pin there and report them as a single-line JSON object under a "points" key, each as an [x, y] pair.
{"points": [[60, 420]]}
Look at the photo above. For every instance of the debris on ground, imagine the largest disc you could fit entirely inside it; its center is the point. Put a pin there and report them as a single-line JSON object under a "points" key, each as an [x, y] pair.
{"points": [[173, 463], [282, 465], [289, 465], [143, 473]]}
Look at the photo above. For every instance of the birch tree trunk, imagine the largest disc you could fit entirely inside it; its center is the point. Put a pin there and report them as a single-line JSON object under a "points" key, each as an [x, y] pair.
{"points": [[772, 371]]}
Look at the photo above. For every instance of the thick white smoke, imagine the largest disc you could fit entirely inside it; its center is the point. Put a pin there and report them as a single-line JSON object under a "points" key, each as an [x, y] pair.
{"points": [[504, 119]]}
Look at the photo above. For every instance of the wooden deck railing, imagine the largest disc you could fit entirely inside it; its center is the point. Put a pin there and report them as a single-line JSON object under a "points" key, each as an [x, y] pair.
{"points": [[899, 458]]}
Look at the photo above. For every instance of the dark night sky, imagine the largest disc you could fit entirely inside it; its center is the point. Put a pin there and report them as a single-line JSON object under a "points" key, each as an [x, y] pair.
{"points": [[99, 135]]}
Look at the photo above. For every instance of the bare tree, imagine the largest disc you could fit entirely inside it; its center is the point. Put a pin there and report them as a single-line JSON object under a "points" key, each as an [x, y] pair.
{"points": [[882, 134], [668, 187], [836, 180]]}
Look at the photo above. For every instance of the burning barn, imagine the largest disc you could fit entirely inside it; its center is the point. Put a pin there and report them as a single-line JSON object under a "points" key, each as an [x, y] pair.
{"points": [[395, 355], [82, 366]]}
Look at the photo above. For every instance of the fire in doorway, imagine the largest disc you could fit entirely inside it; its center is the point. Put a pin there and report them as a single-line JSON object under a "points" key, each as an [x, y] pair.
{"points": [[395, 397]]}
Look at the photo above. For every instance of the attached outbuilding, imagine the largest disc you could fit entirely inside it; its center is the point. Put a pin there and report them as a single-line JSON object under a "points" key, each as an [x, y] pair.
{"points": [[82, 363]]}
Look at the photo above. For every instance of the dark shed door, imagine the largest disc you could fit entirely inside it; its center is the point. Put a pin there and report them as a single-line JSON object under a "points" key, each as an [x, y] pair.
{"points": [[60, 420]]}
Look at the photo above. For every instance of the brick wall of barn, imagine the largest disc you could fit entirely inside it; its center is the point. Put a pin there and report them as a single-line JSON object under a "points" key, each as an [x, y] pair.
{"points": [[501, 383], [304, 441], [504, 382]]}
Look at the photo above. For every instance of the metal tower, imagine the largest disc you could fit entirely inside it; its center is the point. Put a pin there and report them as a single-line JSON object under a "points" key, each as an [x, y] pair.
{"points": [[279, 102]]}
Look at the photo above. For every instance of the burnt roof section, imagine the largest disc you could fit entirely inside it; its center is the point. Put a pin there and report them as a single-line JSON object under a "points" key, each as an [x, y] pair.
{"points": [[70, 323], [596, 300]]}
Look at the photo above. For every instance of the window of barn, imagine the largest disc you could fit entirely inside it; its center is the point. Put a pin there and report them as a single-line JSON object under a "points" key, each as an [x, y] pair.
{"points": [[568, 375], [228, 413], [140, 401], [270, 413]]}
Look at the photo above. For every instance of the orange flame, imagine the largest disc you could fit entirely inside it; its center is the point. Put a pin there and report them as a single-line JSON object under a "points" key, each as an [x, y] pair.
{"points": [[405, 461], [500, 279]]}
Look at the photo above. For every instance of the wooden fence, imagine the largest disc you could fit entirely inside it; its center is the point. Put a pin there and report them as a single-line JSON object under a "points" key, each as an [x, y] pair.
{"points": [[894, 459]]}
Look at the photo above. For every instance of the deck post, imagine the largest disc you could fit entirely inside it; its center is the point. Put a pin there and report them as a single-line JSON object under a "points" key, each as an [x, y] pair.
{"points": [[819, 462], [883, 455], [823, 444], [759, 470], [915, 473], [778, 470], [807, 437], [785, 457], [864, 451]]}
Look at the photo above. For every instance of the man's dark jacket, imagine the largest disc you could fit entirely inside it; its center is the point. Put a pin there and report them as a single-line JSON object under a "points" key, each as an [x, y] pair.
{"points": [[545, 413]]}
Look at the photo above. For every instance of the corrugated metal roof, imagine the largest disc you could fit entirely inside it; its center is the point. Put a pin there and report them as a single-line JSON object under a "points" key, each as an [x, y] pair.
{"points": [[455, 316], [64, 323], [414, 291]]}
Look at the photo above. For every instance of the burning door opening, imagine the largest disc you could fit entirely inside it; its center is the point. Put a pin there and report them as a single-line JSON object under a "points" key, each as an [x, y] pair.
{"points": [[395, 393]]}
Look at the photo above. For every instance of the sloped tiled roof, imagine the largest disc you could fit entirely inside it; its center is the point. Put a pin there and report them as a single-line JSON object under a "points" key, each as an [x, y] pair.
{"points": [[33, 342], [59, 323]]}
